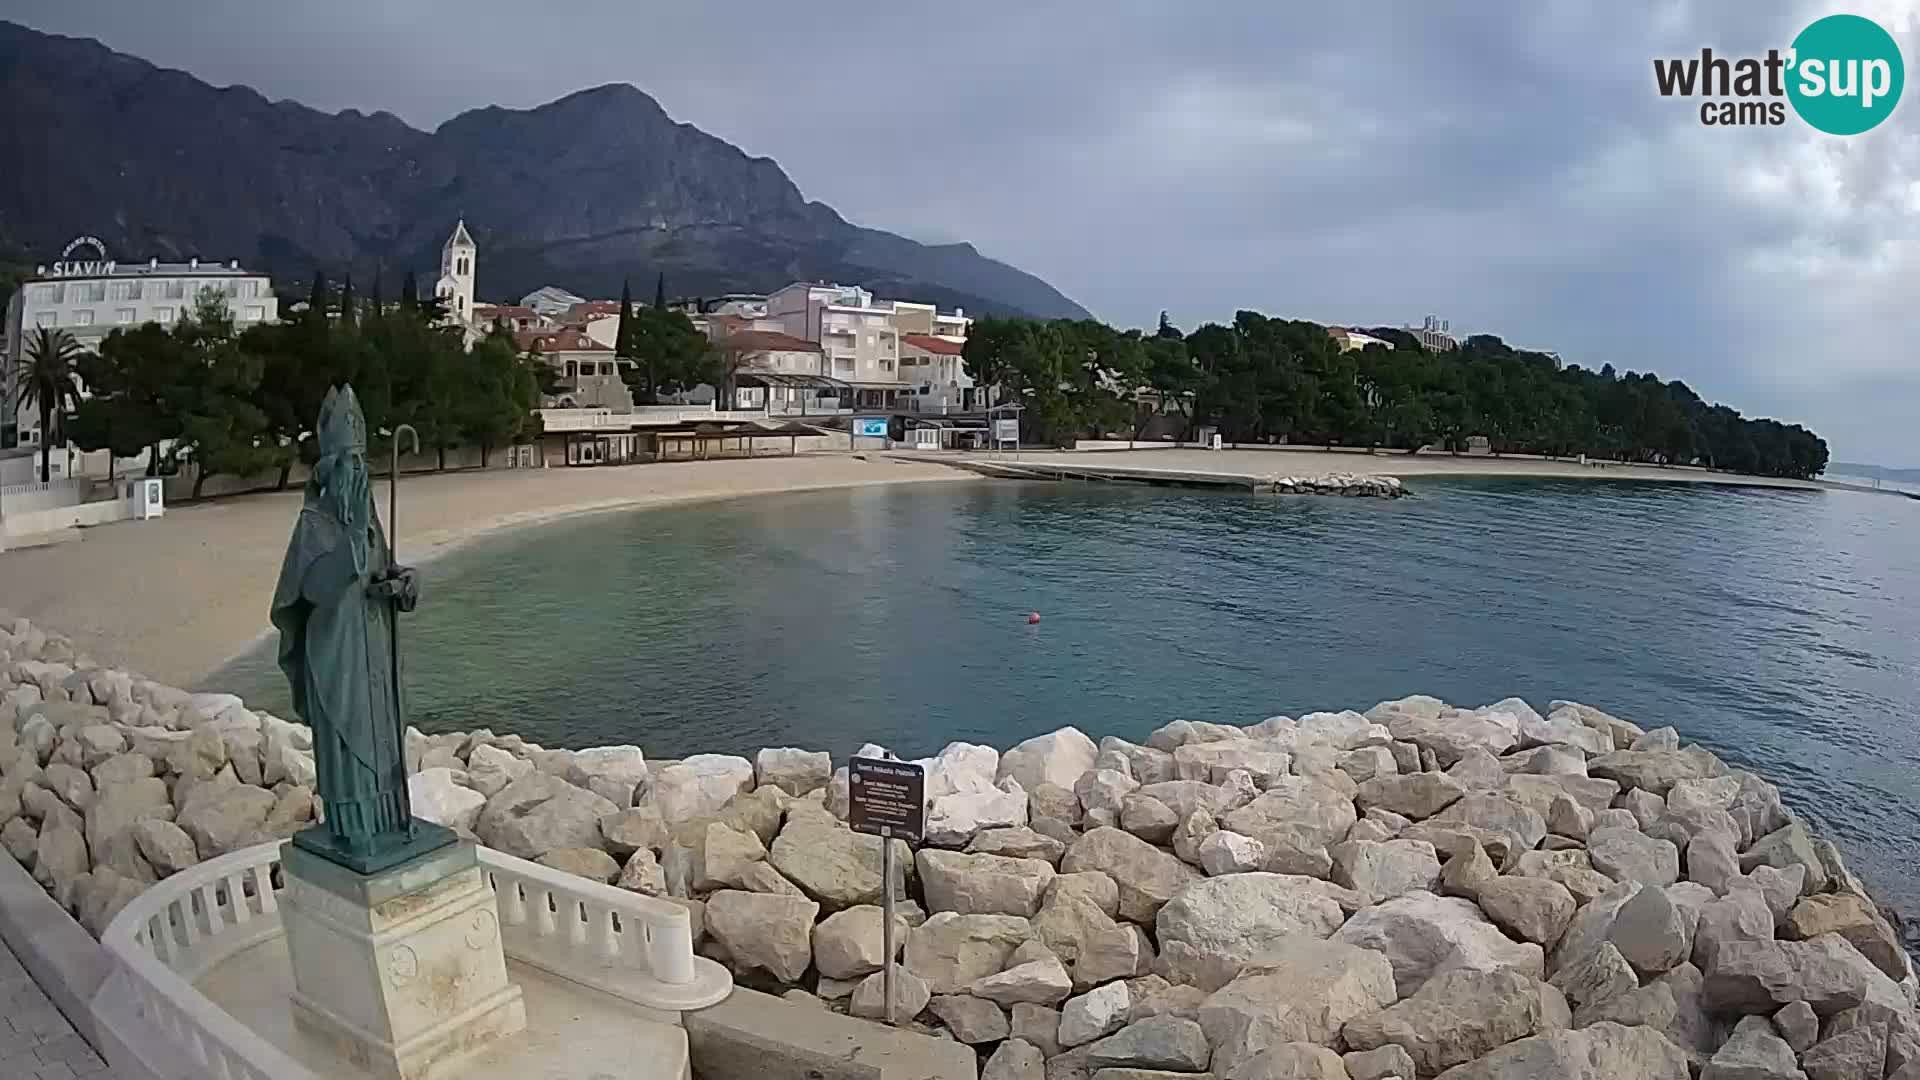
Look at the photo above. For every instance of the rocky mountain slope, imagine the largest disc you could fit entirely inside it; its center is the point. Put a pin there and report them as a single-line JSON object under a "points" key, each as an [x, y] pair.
{"points": [[579, 192]]}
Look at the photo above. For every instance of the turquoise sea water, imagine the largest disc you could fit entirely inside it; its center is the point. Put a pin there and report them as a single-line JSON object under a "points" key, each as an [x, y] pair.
{"points": [[1779, 628]]}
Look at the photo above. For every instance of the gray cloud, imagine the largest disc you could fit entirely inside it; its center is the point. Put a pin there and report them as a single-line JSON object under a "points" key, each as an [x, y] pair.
{"points": [[1509, 166]]}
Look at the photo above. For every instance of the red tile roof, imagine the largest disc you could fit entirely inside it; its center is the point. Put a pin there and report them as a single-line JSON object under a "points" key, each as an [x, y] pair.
{"points": [[511, 311], [591, 308], [938, 346], [556, 341], [767, 341]]}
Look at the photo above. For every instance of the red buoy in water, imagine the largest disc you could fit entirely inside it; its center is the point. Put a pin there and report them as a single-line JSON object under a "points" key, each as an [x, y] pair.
{"points": [[1032, 617]]}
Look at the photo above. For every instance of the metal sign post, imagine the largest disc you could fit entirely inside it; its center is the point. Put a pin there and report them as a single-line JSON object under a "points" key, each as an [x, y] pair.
{"points": [[887, 799], [886, 915]]}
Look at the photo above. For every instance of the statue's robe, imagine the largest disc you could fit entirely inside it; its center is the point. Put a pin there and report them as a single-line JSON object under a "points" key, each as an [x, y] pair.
{"points": [[336, 648]]}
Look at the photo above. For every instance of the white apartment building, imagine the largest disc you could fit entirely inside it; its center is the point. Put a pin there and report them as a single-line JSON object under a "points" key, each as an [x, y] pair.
{"points": [[857, 338], [89, 294], [936, 375], [1434, 334]]}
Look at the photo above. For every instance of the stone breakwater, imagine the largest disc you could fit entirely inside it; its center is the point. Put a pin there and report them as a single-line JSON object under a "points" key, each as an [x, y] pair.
{"points": [[1414, 891], [1378, 487]]}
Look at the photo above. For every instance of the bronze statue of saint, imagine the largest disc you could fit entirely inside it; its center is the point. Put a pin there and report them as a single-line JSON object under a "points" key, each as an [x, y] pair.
{"points": [[335, 606]]}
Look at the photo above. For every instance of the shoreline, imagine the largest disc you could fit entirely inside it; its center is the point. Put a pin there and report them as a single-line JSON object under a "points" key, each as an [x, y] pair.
{"points": [[181, 598], [1263, 462]]}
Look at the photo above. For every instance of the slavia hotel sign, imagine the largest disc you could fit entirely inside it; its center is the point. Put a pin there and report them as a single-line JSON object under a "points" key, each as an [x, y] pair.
{"points": [[69, 266]]}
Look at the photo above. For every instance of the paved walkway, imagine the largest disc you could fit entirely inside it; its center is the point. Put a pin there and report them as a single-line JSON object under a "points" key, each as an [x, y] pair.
{"points": [[36, 1042]]}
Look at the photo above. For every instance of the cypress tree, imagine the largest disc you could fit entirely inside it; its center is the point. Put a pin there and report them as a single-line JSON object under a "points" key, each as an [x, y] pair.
{"points": [[375, 303], [317, 298], [660, 291], [623, 333], [346, 303], [409, 291]]}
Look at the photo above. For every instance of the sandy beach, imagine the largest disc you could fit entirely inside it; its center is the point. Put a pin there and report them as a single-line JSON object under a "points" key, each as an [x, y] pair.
{"points": [[176, 598]]}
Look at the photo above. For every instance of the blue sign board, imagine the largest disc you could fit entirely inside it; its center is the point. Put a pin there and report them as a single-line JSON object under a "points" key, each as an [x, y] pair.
{"points": [[870, 427]]}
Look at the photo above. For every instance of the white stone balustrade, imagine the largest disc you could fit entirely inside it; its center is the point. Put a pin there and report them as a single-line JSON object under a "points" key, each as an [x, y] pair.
{"points": [[635, 948], [179, 928]]}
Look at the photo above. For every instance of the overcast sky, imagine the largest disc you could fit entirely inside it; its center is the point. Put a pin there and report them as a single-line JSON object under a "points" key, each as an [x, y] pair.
{"points": [[1507, 166]]}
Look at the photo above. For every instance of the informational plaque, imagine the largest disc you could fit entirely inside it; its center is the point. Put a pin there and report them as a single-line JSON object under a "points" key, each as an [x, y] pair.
{"points": [[886, 798], [1006, 431]]}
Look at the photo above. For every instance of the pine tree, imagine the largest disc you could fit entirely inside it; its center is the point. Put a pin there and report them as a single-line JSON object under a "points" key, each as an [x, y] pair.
{"points": [[623, 333], [660, 291]]}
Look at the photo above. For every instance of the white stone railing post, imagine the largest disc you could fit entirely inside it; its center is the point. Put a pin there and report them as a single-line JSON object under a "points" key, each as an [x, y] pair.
{"points": [[637, 948], [181, 927]]}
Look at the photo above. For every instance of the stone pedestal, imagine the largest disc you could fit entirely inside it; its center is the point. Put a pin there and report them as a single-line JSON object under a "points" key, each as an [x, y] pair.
{"points": [[402, 969]]}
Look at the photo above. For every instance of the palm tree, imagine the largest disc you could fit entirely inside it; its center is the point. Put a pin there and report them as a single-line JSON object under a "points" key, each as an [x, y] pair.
{"points": [[48, 382]]}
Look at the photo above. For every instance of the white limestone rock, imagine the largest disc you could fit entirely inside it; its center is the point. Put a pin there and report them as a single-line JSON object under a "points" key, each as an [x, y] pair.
{"points": [[910, 996], [1651, 933], [722, 856], [1754, 1052], [851, 944], [1381, 870], [1095, 1014], [759, 930], [1461, 1015], [164, 845], [225, 818], [699, 786], [1017, 842], [1307, 992], [636, 828], [1417, 795], [792, 770], [1532, 909], [1212, 928], [1498, 812], [644, 875], [953, 819], [952, 952], [1210, 763], [830, 862], [1303, 803], [489, 769], [971, 1020], [437, 797], [1147, 877], [1227, 852], [1423, 935], [590, 863], [1016, 1059], [1171, 737], [1037, 982], [1628, 855], [537, 813], [1604, 1051], [983, 884], [1058, 757]]}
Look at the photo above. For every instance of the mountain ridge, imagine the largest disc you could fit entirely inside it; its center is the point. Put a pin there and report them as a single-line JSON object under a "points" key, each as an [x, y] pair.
{"points": [[582, 191]]}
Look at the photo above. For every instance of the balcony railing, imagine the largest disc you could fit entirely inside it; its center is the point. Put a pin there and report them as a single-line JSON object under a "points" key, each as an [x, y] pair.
{"points": [[636, 948], [559, 420]]}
